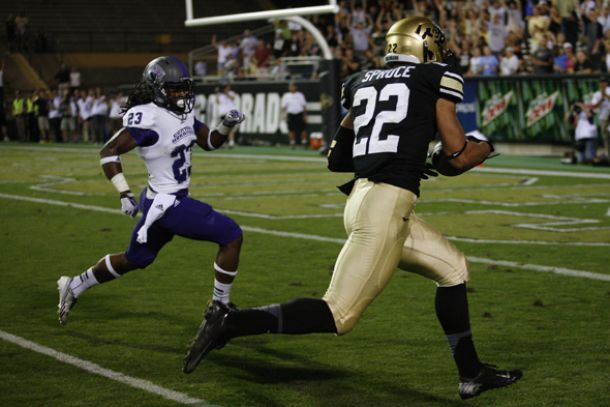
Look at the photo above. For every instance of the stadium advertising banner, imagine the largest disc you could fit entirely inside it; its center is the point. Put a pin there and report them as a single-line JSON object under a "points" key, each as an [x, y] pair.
{"points": [[530, 109], [261, 103]]}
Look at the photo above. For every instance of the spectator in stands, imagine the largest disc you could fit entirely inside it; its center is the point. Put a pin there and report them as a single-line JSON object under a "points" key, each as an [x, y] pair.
{"points": [[99, 113], [31, 126], [568, 10], [497, 33], [594, 35], [19, 113], [280, 44], [514, 14], [115, 115], [201, 68], [583, 64], [332, 37], [55, 115], [62, 77], [489, 62], [476, 66], [349, 64], [542, 58], [538, 26], [262, 55], [509, 64], [604, 19], [247, 45], [68, 112], [41, 109], [224, 49], [564, 62], [85, 107], [294, 107], [75, 78], [360, 35]]}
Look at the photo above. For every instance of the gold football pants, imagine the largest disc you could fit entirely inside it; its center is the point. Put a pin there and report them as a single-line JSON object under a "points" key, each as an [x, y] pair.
{"points": [[383, 233]]}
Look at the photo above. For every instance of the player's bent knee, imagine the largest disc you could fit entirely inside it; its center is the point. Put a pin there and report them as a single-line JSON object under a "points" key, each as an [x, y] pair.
{"points": [[344, 321], [458, 275]]}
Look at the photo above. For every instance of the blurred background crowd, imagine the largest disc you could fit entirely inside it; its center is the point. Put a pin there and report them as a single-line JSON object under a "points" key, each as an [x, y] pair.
{"points": [[498, 37], [490, 37]]}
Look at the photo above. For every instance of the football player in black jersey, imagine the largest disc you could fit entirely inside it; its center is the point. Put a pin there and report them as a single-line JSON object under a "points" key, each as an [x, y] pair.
{"points": [[393, 115]]}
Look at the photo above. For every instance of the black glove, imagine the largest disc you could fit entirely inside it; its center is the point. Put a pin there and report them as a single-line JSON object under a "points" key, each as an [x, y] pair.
{"points": [[428, 171]]}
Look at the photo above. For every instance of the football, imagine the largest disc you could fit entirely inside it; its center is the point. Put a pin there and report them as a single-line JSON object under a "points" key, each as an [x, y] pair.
{"points": [[441, 163]]}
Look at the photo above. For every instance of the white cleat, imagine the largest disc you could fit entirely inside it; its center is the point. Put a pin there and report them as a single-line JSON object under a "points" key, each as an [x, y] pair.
{"points": [[66, 299]]}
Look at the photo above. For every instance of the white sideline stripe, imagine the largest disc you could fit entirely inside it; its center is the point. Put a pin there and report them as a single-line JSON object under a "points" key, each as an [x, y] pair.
{"points": [[94, 368], [499, 170], [542, 269], [531, 267]]}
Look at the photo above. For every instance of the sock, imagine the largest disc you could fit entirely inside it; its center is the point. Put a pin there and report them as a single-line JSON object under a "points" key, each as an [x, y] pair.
{"points": [[452, 311], [301, 316], [222, 292], [83, 282]]}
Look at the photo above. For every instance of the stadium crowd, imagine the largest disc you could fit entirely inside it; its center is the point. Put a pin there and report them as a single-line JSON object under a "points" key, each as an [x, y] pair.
{"points": [[497, 37], [67, 115]]}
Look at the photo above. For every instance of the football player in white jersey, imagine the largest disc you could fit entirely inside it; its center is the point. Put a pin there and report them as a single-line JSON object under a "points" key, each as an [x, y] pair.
{"points": [[160, 123]]}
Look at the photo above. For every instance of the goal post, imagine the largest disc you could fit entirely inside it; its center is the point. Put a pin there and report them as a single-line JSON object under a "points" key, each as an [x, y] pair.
{"points": [[329, 67]]}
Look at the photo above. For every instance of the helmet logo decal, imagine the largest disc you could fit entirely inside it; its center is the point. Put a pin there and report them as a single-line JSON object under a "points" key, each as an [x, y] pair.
{"points": [[157, 73], [427, 33]]}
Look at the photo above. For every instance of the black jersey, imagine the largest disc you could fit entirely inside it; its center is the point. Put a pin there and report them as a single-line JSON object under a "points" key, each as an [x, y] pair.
{"points": [[394, 114]]}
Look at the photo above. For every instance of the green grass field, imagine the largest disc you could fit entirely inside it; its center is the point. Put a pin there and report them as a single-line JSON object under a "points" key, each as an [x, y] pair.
{"points": [[538, 241]]}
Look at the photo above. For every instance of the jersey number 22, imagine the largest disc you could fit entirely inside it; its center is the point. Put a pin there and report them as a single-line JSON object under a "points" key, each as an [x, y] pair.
{"points": [[373, 140]]}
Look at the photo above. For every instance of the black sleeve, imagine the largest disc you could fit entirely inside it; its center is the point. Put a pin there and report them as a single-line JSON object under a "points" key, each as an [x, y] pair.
{"points": [[341, 150]]}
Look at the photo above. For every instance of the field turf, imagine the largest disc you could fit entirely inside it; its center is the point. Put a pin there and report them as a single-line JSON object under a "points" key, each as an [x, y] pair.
{"points": [[538, 240]]}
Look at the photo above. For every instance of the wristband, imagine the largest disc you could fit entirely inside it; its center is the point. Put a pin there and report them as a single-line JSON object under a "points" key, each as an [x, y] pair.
{"points": [[110, 159], [210, 145], [224, 129], [120, 183]]}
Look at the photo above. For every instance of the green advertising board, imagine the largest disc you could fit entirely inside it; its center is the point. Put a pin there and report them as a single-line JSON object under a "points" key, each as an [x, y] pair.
{"points": [[531, 109]]}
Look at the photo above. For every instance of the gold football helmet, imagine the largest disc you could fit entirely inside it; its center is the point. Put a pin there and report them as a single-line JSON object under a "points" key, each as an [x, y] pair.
{"points": [[417, 37]]}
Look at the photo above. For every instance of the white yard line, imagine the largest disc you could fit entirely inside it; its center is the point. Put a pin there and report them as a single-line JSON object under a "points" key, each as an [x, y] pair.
{"points": [[530, 172], [94, 368], [530, 267]]}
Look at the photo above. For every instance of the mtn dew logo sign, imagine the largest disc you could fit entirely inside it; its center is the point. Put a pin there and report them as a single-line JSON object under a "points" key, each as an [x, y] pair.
{"points": [[540, 107], [495, 106]]}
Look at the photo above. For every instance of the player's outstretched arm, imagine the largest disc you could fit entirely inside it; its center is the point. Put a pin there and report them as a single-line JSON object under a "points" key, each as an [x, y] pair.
{"points": [[121, 143], [340, 153], [458, 151], [213, 139]]}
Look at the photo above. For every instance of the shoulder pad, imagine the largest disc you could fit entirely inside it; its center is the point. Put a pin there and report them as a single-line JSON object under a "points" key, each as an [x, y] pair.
{"points": [[141, 116]]}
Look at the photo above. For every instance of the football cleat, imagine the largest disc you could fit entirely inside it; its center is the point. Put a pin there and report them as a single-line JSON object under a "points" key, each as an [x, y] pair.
{"points": [[66, 299], [211, 335], [487, 379]]}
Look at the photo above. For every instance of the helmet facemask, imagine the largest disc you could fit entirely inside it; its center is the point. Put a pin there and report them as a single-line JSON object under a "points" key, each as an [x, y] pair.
{"points": [[179, 97]]}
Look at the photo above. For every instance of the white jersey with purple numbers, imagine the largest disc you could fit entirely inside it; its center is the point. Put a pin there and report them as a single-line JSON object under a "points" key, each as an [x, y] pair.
{"points": [[164, 143]]}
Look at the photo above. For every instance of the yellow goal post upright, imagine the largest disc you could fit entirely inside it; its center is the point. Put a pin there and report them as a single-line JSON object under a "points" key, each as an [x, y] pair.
{"points": [[329, 66]]}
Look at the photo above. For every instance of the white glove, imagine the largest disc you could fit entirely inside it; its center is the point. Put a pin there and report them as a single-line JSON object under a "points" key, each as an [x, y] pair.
{"points": [[129, 205], [233, 118], [477, 135]]}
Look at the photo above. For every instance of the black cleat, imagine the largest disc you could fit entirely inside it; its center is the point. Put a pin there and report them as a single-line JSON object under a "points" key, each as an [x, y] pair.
{"points": [[487, 379], [211, 335]]}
